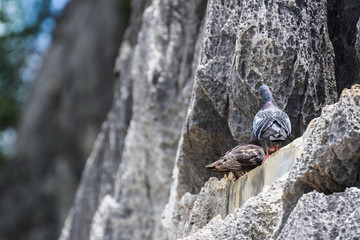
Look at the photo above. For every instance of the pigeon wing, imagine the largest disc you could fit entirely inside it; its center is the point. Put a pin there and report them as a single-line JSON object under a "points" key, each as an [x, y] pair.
{"points": [[243, 157], [283, 119], [265, 118]]}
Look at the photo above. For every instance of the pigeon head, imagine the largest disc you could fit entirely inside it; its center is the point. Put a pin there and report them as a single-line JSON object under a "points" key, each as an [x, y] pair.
{"points": [[266, 97]]}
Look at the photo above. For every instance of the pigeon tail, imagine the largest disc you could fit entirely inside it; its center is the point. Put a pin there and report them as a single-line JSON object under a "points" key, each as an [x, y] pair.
{"points": [[275, 132], [216, 166]]}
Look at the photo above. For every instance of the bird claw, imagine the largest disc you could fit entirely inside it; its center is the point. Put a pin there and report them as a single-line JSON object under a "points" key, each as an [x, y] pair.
{"points": [[267, 155], [270, 150], [274, 149]]}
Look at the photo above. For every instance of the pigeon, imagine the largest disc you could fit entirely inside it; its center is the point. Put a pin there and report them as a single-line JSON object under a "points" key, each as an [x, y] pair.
{"points": [[240, 159], [270, 122]]}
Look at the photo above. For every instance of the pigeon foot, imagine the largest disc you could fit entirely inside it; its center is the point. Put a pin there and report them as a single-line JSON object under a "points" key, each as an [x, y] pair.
{"points": [[274, 149], [267, 155]]}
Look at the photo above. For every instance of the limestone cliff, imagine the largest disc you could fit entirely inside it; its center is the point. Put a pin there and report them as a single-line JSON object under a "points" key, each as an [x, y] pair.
{"points": [[189, 72], [316, 198]]}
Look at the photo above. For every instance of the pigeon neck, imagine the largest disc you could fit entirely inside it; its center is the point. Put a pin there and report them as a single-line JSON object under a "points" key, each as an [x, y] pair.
{"points": [[268, 104], [254, 140], [267, 100]]}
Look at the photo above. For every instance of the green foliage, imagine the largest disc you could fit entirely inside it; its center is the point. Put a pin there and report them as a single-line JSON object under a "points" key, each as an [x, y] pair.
{"points": [[2, 159], [20, 23], [127, 3], [9, 111], [11, 61]]}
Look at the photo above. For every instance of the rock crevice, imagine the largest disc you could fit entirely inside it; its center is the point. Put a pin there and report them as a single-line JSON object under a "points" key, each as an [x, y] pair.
{"points": [[314, 195], [191, 70]]}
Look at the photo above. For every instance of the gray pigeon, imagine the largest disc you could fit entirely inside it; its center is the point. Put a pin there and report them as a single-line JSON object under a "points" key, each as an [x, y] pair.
{"points": [[270, 122]]}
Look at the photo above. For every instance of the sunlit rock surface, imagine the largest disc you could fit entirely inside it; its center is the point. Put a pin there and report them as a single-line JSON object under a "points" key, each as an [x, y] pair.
{"points": [[187, 93], [320, 216], [126, 181], [284, 44], [325, 160], [227, 195]]}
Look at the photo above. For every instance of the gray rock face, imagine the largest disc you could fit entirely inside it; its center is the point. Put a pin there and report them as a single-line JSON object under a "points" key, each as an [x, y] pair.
{"points": [[342, 18], [245, 45], [229, 52], [318, 216], [257, 219], [101, 166], [357, 42], [210, 202], [126, 182], [329, 163]]}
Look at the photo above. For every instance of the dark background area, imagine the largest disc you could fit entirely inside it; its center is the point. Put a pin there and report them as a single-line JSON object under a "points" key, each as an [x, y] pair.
{"points": [[56, 88]]}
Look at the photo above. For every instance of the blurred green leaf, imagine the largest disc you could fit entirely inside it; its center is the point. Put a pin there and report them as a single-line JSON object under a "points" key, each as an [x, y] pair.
{"points": [[21, 22]]}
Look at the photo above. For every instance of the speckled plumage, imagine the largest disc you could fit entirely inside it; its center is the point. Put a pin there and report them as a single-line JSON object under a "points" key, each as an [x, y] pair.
{"points": [[270, 122], [241, 158]]}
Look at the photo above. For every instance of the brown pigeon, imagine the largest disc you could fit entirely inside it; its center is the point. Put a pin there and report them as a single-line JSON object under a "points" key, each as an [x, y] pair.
{"points": [[240, 159]]}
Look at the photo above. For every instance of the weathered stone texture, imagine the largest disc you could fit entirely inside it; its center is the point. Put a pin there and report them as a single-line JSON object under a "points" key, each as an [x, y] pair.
{"points": [[320, 216], [100, 169], [331, 156], [283, 44], [210, 202], [357, 41], [257, 219], [342, 18], [222, 57], [126, 182], [330, 162]]}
